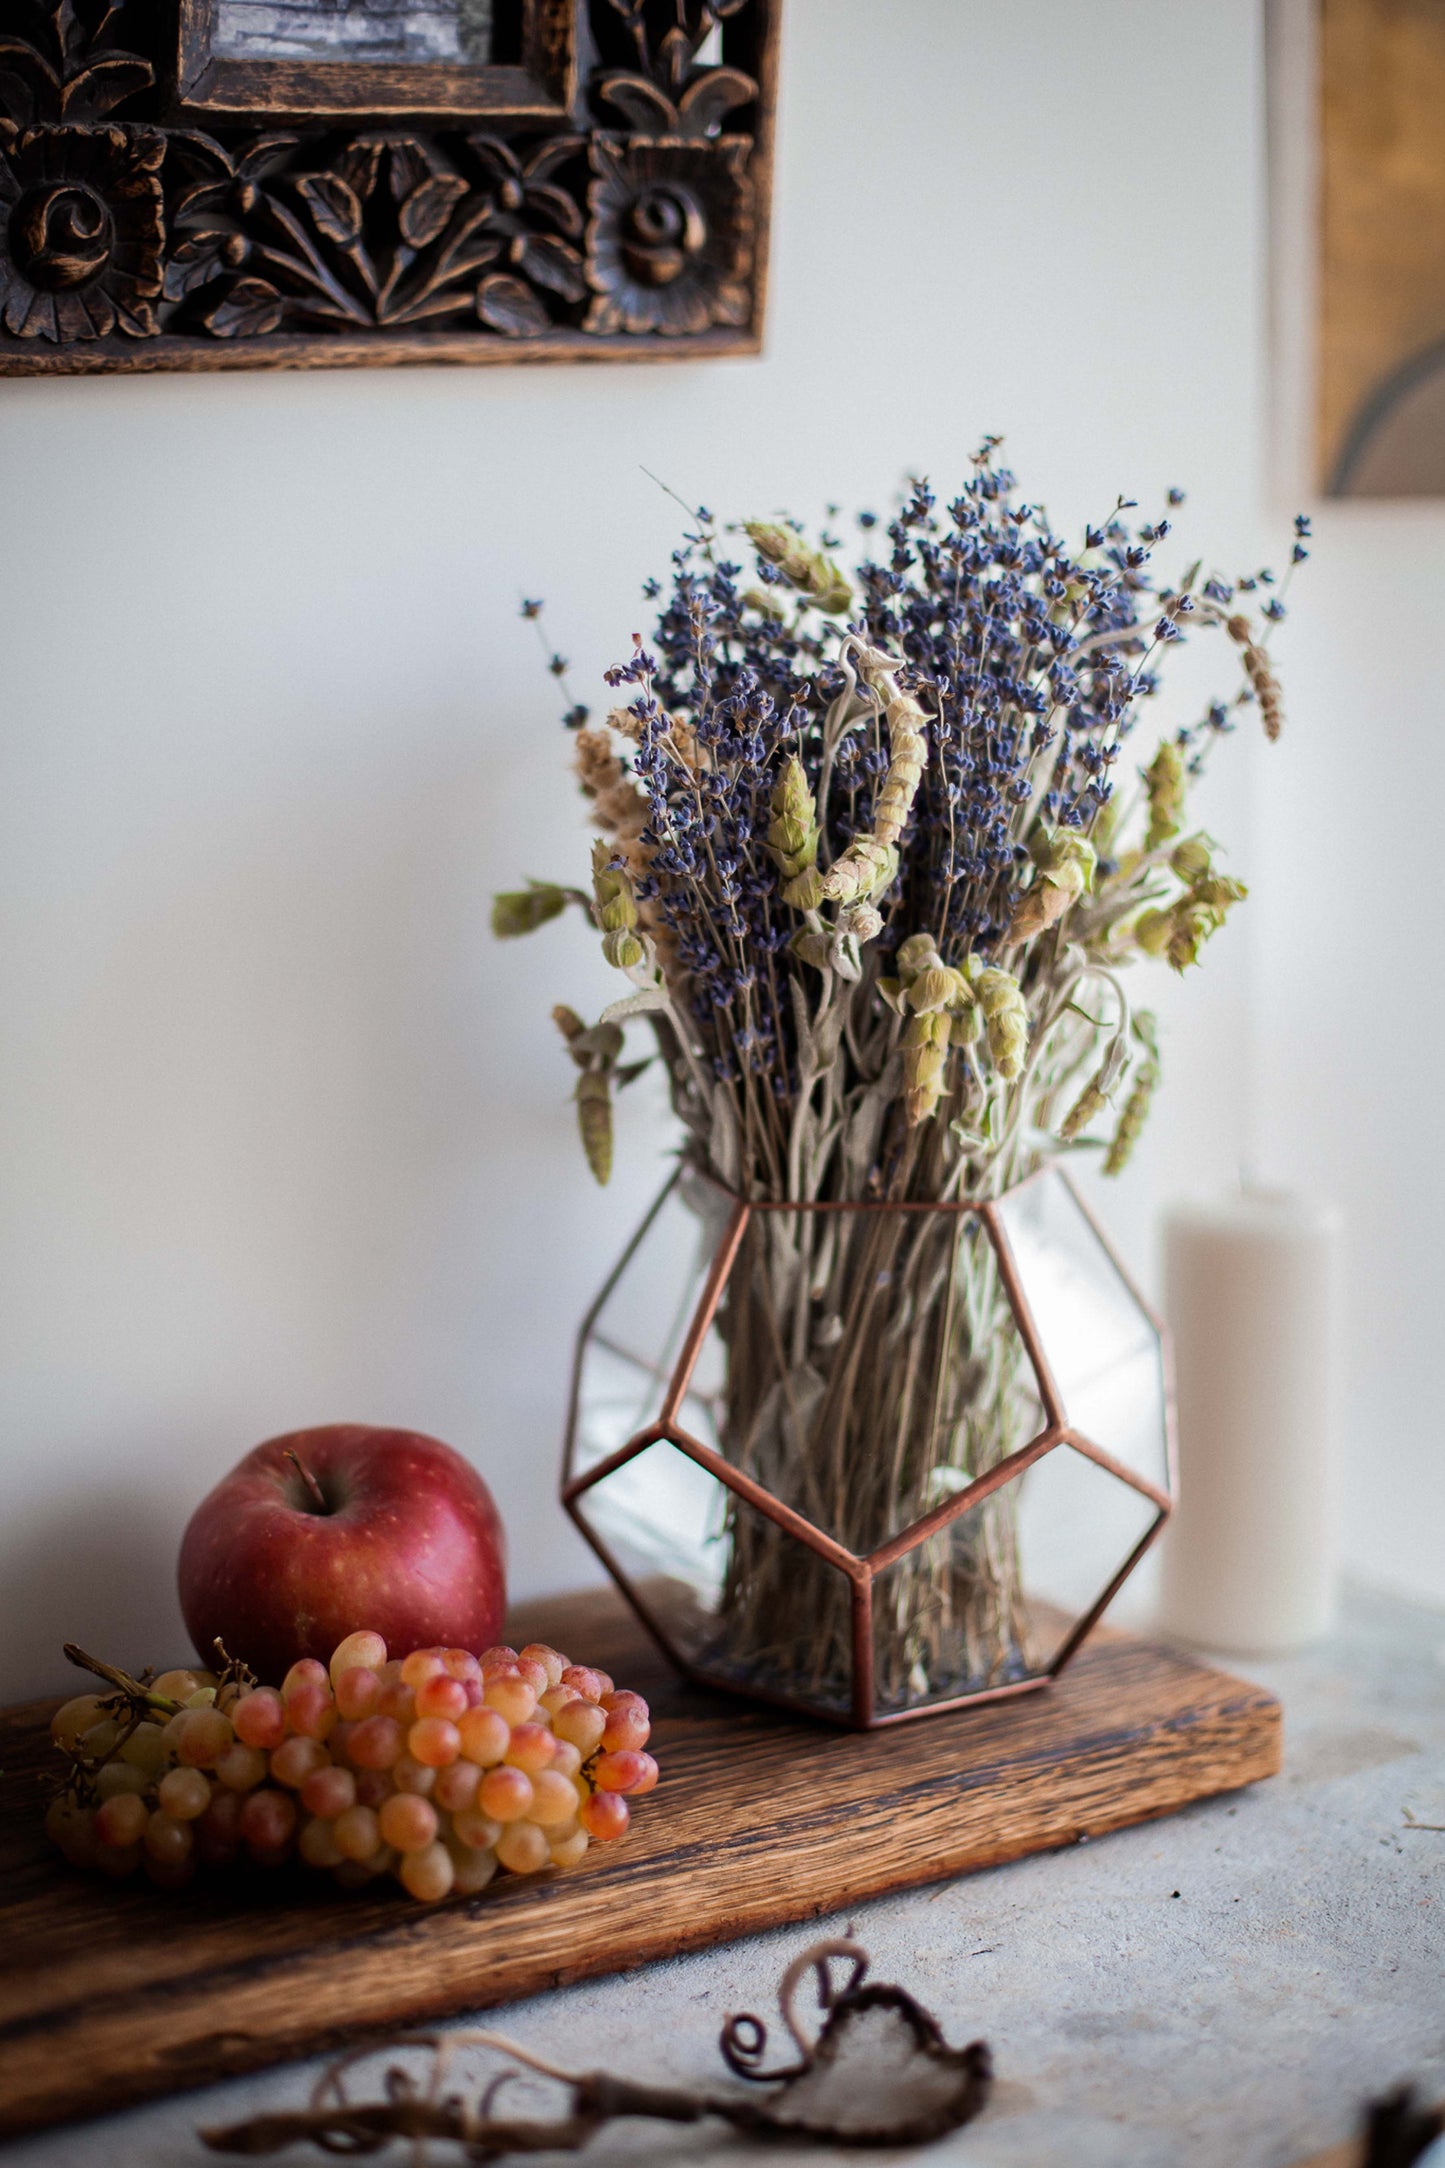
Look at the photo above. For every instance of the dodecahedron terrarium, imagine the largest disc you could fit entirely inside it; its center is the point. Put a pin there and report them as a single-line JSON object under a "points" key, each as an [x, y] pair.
{"points": [[868, 1460]]}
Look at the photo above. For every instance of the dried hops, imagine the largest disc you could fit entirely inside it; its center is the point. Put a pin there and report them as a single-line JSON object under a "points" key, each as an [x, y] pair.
{"points": [[812, 770]]}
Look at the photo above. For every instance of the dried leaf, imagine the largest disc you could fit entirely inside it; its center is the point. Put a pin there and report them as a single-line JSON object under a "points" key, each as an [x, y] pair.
{"points": [[551, 263], [334, 206], [247, 310], [427, 210], [508, 305]]}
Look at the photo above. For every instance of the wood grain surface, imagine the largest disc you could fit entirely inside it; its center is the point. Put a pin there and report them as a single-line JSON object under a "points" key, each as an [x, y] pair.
{"points": [[111, 1994]]}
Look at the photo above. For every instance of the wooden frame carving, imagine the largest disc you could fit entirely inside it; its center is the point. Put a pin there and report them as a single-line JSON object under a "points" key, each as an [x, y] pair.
{"points": [[599, 191]]}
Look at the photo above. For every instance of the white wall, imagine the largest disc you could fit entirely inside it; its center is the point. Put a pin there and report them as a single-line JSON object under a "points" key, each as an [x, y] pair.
{"points": [[1349, 1033], [285, 1137]]}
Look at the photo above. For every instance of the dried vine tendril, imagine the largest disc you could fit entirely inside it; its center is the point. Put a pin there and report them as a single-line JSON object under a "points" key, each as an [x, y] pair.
{"points": [[879, 2072]]}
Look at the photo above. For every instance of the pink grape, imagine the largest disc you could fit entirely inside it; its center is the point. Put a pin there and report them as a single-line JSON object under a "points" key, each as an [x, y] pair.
{"points": [[358, 1691], [456, 1785], [268, 1821], [168, 1841], [397, 1701], [357, 1833], [472, 1871], [604, 1816], [552, 1662], [647, 1782], [422, 1664], [359, 1651], [566, 1758], [306, 1671], [476, 1830], [441, 1696], [202, 1737], [510, 1696], [328, 1792], [505, 1793], [590, 1685], [433, 1741], [582, 1723], [372, 1786], [501, 1658], [121, 1821], [523, 1848], [184, 1794], [241, 1768], [294, 1760], [621, 1772], [485, 1736], [428, 1874], [534, 1673], [628, 1721], [408, 1822], [554, 1799], [317, 1845], [461, 1664], [260, 1718], [531, 1748], [73, 1719], [566, 1851], [311, 1711], [376, 1743], [410, 1775]]}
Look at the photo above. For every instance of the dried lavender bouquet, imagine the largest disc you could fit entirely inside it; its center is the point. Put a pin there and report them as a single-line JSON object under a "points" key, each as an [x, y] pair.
{"points": [[876, 865]]}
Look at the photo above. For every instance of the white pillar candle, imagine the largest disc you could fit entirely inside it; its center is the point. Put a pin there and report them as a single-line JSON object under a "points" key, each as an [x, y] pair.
{"points": [[1252, 1296]]}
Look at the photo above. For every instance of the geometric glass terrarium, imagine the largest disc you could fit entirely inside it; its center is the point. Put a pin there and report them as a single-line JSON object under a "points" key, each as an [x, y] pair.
{"points": [[870, 1461]]}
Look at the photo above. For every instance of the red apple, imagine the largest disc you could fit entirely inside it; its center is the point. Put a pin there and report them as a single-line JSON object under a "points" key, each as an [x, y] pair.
{"points": [[319, 1534]]}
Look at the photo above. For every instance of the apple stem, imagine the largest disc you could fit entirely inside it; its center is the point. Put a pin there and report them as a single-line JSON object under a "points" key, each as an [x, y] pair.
{"points": [[309, 1480]]}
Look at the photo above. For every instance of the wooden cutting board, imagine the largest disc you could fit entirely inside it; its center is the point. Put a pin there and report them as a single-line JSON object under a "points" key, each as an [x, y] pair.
{"points": [[111, 1994]]}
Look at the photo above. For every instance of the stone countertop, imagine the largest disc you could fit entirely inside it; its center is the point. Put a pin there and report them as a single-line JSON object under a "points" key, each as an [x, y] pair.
{"points": [[1220, 1990]]}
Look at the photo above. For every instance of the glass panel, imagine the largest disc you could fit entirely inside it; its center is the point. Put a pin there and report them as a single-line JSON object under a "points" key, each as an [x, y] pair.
{"points": [[632, 1345], [949, 1616], [738, 1597], [1104, 1350], [367, 31], [1076, 1526]]}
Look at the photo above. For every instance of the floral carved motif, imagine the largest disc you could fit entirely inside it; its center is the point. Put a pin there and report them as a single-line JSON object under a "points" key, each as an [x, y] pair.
{"points": [[135, 238]]}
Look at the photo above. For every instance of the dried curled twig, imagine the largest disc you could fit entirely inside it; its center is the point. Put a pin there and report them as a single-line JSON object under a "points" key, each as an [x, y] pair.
{"points": [[879, 2073]]}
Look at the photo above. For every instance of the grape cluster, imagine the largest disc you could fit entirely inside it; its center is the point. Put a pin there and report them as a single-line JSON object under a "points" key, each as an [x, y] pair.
{"points": [[437, 1769]]}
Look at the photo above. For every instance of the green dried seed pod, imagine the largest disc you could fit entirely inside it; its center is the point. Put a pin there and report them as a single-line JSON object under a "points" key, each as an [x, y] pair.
{"points": [[812, 948], [925, 1057], [523, 910], [1066, 864], [1006, 1015], [1164, 782], [864, 871], [1087, 1108], [1152, 930], [1133, 1118], [813, 574], [622, 949], [805, 893], [594, 1122], [1191, 859]]}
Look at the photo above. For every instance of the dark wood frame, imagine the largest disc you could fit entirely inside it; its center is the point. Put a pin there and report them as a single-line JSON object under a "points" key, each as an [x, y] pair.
{"points": [[600, 194]]}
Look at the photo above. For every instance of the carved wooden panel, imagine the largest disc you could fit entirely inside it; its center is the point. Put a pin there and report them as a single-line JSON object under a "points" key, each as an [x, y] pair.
{"points": [[200, 184]]}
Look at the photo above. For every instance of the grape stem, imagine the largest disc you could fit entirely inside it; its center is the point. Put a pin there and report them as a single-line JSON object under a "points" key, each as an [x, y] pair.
{"points": [[139, 1696]]}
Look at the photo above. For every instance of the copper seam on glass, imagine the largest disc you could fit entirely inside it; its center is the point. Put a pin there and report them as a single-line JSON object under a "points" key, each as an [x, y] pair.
{"points": [[1102, 1458], [1083, 1627], [1023, 1315], [761, 1498], [1156, 1319], [655, 1434], [697, 1331], [952, 1509]]}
